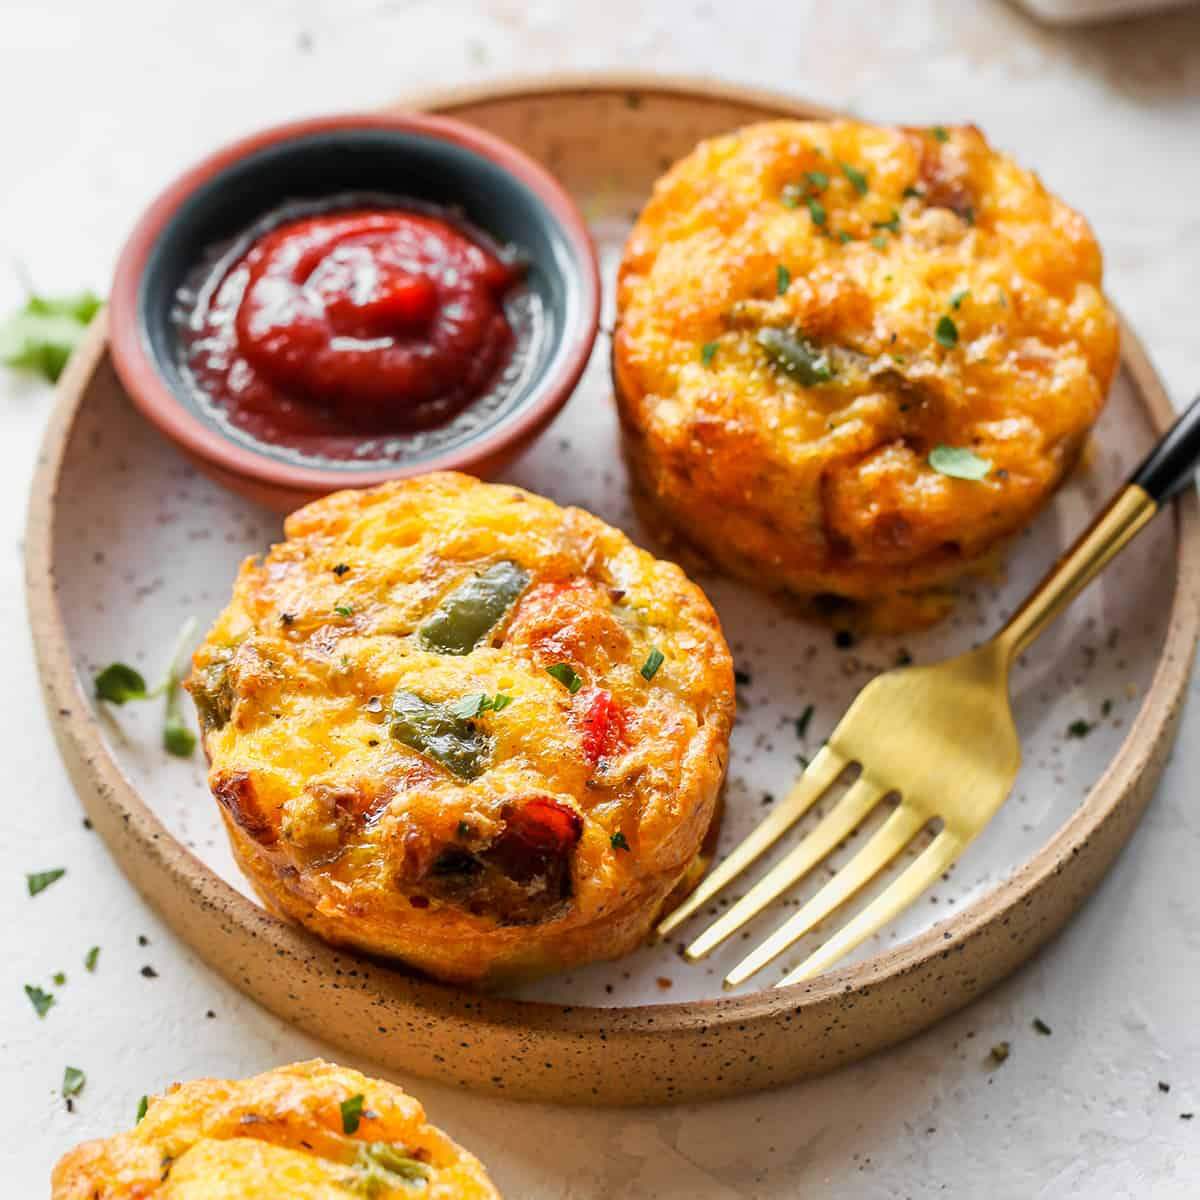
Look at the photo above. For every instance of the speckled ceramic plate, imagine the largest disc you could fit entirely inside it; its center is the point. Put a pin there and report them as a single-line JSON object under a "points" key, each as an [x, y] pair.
{"points": [[125, 541]]}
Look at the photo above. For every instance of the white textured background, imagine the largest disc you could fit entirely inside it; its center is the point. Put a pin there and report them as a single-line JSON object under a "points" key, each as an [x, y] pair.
{"points": [[102, 102]]}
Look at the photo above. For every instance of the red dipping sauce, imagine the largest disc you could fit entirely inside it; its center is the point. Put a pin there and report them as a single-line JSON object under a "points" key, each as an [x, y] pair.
{"points": [[328, 334]]}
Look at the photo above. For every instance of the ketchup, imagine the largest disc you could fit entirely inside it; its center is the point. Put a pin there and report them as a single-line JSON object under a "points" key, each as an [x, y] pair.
{"points": [[350, 324]]}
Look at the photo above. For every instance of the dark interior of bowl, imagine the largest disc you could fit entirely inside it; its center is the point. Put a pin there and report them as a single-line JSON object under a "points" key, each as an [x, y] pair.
{"points": [[318, 167]]}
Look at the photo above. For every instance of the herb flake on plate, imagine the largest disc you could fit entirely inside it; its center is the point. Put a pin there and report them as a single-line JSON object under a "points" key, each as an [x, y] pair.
{"points": [[42, 1001], [39, 881], [654, 660], [73, 1081]]}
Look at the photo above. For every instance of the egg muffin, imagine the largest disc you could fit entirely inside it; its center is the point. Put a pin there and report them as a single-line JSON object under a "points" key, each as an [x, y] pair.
{"points": [[455, 724], [852, 361], [311, 1131]]}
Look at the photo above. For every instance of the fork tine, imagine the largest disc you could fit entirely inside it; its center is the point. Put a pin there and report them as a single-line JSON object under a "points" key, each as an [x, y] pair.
{"points": [[838, 824], [887, 842], [825, 767], [932, 861]]}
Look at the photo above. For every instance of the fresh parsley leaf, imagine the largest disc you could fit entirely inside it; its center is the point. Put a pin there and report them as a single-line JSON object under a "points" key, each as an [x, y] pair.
{"points": [[817, 181], [912, 193], [939, 133], [565, 674], [143, 1105], [42, 1001], [352, 1110], [73, 1081], [344, 610], [843, 236], [119, 682], [42, 335], [92, 958], [796, 356], [619, 842], [39, 881], [946, 332], [1079, 729], [654, 660], [783, 279], [879, 242], [707, 352], [858, 179], [959, 463], [892, 224], [58, 978], [816, 210], [469, 706], [957, 299], [499, 702]]}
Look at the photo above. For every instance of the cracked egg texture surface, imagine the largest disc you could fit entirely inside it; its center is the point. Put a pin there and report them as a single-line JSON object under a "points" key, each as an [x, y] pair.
{"points": [[309, 1131], [808, 310], [452, 723]]}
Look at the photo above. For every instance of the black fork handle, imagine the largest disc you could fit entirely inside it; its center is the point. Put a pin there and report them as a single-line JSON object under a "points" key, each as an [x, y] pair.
{"points": [[1168, 468]]}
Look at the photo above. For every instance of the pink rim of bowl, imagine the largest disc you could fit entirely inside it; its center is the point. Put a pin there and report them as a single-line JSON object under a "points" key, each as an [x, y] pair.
{"points": [[281, 484]]}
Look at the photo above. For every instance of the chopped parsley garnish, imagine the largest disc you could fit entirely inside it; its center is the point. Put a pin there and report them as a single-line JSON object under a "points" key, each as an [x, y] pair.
{"points": [[892, 224], [946, 332], [802, 721], [58, 978], [42, 1001], [858, 180], [119, 683], [619, 842], [912, 193], [143, 1104], [344, 610], [1080, 728], [92, 958], [957, 299], [1106, 708], [42, 335], [707, 352], [352, 1110], [654, 660], [39, 881], [73, 1081], [843, 236], [796, 356], [969, 214], [958, 463], [816, 210], [783, 279], [565, 674], [1041, 1027], [999, 1052], [817, 181], [479, 702], [939, 133], [879, 242]]}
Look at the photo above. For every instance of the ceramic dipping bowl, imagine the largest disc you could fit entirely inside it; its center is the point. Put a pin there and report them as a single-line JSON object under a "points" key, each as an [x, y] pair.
{"points": [[432, 161]]}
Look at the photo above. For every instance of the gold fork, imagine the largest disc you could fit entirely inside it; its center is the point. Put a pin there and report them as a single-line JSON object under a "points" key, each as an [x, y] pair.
{"points": [[941, 738]]}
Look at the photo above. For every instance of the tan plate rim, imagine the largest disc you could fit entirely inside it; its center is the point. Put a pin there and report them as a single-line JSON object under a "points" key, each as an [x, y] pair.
{"points": [[634, 1054]]}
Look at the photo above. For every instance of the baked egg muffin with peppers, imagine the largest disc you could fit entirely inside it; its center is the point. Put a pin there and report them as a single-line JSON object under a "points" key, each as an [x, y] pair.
{"points": [[853, 361], [453, 723], [310, 1131]]}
